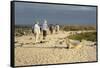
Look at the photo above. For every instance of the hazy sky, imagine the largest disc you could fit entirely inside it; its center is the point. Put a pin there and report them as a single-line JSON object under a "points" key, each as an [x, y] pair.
{"points": [[27, 13]]}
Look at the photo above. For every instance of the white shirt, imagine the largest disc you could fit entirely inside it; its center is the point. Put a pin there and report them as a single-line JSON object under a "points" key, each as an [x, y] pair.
{"points": [[36, 28]]}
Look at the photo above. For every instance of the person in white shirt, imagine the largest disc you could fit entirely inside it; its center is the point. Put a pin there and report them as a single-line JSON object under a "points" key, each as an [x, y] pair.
{"points": [[36, 31], [57, 28]]}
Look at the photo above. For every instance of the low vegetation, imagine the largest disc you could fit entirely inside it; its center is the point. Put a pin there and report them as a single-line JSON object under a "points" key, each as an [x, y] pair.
{"points": [[22, 30], [77, 27], [90, 36]]}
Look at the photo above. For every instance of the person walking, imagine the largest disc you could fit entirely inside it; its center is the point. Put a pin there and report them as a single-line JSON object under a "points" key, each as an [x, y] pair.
{"points": [[51, 28], [36, 31], [57, 28], [45, 29]]}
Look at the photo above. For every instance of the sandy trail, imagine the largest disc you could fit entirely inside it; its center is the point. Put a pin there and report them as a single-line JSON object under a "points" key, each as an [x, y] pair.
{"points": [[52, 51]]}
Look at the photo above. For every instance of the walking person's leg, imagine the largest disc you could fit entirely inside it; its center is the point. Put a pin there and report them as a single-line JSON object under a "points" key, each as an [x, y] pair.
{"points": [[44, 34], [51, 32], [35, 37]]}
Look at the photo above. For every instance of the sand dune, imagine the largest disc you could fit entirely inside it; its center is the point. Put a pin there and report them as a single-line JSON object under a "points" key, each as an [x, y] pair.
{"points": [[52, 51]]}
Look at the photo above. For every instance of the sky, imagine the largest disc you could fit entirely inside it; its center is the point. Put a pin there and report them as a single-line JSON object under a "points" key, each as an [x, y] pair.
{"points": [[28, 13]]}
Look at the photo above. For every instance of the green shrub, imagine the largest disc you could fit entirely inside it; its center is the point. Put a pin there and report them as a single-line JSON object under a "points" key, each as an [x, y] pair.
{"points": [[90, 36]]}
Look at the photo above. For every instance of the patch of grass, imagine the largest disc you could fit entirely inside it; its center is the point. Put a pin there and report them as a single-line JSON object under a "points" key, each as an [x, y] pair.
{"points": [[90, 36], [77, 27]]}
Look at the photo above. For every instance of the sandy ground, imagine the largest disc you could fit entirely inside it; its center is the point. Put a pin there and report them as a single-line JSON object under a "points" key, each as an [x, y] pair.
{"points": [[51, 51]]}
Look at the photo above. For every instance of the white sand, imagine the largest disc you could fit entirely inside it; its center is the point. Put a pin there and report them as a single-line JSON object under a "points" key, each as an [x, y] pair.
{"points": [[52, 51]]}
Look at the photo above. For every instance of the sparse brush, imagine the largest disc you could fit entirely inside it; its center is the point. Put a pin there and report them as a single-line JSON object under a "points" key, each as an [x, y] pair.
{"points": [[22, 30], [77, 27], [90, 36]]}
